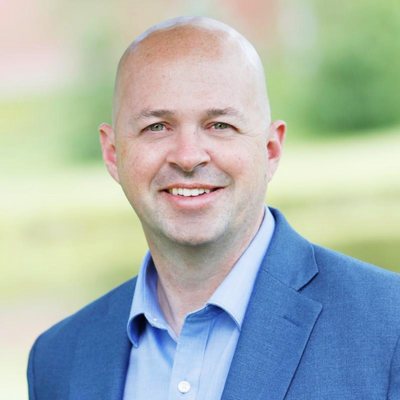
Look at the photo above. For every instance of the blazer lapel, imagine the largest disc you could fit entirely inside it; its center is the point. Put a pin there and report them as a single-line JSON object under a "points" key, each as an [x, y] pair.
{"points": [[279, 320], [102, 354]]}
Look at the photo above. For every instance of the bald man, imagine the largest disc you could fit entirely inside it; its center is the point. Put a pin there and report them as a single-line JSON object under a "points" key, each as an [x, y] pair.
{"points": [[229, 302]]}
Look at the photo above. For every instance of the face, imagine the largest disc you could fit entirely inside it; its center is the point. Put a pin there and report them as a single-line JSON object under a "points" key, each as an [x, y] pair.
{"points": [[192, 151]]}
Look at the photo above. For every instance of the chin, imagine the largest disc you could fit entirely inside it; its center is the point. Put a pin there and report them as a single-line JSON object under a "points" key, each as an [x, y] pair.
{"points": [[194, 239], [194, 242]]}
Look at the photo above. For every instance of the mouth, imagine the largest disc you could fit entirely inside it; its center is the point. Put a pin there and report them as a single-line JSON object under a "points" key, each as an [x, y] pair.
{"points": [[192, 192]]}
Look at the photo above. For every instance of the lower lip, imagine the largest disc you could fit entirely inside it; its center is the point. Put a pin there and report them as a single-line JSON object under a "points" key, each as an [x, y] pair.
{"points": [[193, 202]]}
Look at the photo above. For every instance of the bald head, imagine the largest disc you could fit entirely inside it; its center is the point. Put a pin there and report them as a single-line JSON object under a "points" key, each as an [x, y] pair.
{"points": [[197, 40]]}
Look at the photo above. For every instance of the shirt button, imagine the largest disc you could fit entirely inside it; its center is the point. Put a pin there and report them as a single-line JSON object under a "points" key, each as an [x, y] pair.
{"points": [[184, 386]]}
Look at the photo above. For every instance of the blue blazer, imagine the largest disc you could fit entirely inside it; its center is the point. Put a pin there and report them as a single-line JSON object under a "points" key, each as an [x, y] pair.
{"points": [[319, 325]]}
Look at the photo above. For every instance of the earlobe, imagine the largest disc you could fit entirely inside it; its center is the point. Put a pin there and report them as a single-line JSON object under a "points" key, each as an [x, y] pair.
{"points": [[276, 139], [107, 140]]}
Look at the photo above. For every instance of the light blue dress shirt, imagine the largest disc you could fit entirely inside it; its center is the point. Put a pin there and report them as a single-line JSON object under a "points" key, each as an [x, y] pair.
{"points": [[195, 365]]}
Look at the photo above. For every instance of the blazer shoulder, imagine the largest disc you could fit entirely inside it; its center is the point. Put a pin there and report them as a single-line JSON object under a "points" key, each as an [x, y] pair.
{"points": [[357, 279], [53, 355], [93, 311], [349, 265]]}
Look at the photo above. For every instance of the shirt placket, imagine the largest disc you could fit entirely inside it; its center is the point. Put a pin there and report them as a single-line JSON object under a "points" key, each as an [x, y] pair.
{"points": [[189, 356]]}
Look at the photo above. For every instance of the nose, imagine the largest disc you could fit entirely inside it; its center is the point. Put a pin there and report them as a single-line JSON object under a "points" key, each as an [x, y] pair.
{"points": [[188, 151]]}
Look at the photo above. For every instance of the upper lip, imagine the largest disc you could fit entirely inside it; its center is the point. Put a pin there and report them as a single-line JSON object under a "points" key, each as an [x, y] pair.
{"points": [[191, 186]]}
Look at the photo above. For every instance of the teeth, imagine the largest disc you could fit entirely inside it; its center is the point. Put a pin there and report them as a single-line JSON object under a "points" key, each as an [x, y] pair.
{"points": [[188, 192]]}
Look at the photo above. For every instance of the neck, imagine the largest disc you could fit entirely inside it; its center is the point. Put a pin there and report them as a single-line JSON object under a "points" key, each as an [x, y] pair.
{"points": [[188, 276]]}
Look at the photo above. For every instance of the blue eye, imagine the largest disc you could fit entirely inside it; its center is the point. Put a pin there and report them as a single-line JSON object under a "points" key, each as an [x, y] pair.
{"points": [[220, 126], [156, 127]]}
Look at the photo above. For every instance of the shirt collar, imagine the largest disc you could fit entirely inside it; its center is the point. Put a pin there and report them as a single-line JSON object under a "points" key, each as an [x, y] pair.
{"points": [[145, 301], [240, 280]]}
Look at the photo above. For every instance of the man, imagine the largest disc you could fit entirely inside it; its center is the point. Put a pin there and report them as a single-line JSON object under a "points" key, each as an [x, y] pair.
{"points": [[230, 302]]}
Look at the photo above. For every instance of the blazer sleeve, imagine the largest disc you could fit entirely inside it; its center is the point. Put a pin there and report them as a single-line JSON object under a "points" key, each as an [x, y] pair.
{"points": [[31, 374], [394, 377]]}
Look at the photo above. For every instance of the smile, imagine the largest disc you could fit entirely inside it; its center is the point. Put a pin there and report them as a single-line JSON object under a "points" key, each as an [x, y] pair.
{"points": [[188, 192]]}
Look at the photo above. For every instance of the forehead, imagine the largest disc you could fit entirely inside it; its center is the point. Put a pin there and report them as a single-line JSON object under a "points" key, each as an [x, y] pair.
{"points": [[185, 86], [185, 61]]}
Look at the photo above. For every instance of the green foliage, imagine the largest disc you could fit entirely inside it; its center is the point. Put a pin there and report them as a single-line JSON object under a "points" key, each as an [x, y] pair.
{"points": [[356, 85], [86, 110]]}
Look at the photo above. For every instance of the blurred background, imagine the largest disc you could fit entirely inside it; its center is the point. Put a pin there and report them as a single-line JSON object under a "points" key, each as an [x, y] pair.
{"points": [[67, 234]]}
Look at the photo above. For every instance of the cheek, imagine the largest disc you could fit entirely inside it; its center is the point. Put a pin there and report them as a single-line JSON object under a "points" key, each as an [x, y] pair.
{"points": [[137, 165], [249, 163]]}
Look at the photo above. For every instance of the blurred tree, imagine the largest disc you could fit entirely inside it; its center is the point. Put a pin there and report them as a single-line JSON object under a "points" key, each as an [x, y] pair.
{"points": [[86, 109], [90, 102], [356, 84]]}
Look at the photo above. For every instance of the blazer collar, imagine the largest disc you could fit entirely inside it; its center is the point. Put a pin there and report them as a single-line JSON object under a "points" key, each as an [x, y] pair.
{"points": [[278, 322], [290, 258], [102, 351]]}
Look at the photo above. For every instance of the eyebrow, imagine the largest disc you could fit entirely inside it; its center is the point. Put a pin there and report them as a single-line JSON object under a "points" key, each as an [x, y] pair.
{"points": [[154, 113], [229, 111]]}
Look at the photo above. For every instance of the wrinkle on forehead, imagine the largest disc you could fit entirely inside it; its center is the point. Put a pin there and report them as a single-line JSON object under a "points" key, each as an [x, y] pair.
{"points": [[193, 40]]}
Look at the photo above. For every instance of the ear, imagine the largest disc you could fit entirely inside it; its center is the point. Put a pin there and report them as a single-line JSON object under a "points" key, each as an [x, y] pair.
{"points": [[107, 140], [276, 138]]}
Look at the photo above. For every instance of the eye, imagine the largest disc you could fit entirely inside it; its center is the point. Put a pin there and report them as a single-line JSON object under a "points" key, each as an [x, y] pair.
{"points": [[156, 127], [220, 126]]}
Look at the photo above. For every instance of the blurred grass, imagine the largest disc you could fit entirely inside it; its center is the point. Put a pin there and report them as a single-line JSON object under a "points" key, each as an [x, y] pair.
{"points": [[65, 231]]}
